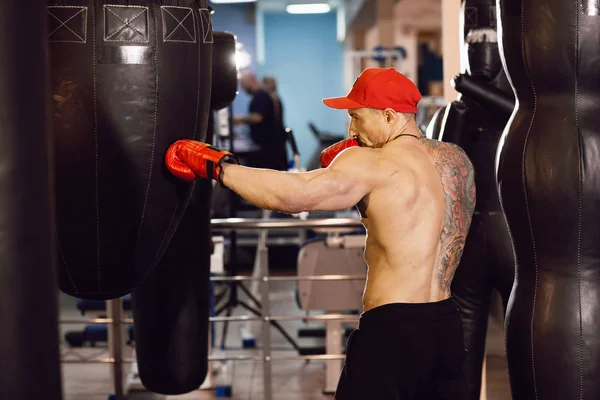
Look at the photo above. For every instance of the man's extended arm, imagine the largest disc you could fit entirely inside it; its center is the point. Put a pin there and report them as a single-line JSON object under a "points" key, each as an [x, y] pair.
{"points": [[257, 110], [338, 187], [252, 119]]}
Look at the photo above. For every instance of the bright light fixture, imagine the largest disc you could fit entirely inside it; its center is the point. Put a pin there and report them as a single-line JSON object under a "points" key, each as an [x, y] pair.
{"points": [[242, 58], [317, 8]]}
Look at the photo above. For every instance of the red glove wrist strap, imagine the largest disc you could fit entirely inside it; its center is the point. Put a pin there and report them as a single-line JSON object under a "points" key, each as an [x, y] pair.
{"points": [[228, 159]]}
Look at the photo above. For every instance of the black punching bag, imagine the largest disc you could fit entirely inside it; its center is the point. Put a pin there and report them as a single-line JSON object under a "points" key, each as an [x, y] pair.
{"points": [[128, 79], [549, 177], [475, 122], [171, 309], [29, 354], [224, 82]]}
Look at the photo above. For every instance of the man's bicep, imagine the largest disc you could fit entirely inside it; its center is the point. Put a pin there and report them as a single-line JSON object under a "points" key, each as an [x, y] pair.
{"points": [[342, 185], [333, 191]]}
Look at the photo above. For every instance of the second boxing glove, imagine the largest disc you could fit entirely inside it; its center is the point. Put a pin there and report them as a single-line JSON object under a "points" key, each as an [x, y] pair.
{"points": [[330, 153], [187, 159]]}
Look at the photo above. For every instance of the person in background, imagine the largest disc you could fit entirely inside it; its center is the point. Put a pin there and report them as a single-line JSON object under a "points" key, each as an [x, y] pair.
{"points": [[270, 86], [266, 125]]}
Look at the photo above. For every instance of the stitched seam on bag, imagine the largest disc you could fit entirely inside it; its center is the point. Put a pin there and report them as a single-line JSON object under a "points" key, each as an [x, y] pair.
{"points": [[180, 24], [96, 155], [162, 243], [199, 68], [523, 177], [64, 260], [64, 23], [145, 39], [580, 182], [126, 24], [153, 146], [205, 17]]}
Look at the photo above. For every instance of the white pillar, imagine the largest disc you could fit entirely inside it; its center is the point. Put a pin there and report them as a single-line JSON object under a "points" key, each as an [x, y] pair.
{"points": [[450, 45], [260, 35]]}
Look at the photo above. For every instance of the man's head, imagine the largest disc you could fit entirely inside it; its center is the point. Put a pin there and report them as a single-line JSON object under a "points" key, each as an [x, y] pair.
{"points": [[249, 83], [270, 84], [381, 104], [374, 127]]}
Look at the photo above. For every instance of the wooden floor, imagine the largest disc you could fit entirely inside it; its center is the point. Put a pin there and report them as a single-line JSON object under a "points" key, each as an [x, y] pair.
{"points": [[292, 380]]}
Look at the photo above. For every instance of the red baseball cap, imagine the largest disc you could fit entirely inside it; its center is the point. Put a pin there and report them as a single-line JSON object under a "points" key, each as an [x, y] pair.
{"points": [[379, 88]]}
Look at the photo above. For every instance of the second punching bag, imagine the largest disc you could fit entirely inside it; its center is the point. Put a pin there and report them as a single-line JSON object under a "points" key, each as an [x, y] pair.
{"points": [[549, 174], [128, 79], [224, 79], [487, 262], [171, 309]]}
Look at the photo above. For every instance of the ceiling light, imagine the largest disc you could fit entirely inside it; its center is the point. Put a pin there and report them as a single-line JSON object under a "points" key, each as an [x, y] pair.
{"points": [[317, 8]]}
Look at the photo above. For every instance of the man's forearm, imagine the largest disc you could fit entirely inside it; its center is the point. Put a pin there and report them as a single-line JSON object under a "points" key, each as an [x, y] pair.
{"points": [[267, 189], [252, 118]]}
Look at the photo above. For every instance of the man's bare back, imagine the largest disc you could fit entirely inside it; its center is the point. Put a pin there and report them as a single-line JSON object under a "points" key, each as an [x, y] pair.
{"points": [[417, 222]]}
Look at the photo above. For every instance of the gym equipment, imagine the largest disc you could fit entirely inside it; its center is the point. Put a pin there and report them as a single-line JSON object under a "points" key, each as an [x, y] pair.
{"points": [[266, 357], [232, 301], [29, 362], [475, 122], [548, 175], [127, 81], [171, 309], [335, 255], [224, 78], [95, 332], [171, 330], [261, 260]]}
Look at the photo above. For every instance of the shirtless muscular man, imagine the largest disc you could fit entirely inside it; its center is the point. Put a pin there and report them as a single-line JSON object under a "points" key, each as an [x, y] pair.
{"points": [[416, 198]]}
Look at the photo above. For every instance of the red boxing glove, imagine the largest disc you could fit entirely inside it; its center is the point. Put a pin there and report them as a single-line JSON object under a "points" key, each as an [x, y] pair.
{"points": [[330, 153], [187, 159]]}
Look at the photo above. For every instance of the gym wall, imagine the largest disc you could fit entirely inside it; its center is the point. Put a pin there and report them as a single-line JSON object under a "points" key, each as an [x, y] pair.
{"points": [[237, 19], [303, 54]]}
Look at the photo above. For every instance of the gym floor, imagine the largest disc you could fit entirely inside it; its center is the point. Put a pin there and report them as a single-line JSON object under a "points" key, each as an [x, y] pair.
{"points": [[292, 380]]}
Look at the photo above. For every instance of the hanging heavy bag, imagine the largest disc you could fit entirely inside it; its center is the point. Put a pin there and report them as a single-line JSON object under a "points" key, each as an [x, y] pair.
{"points": [[29, 361], [171, 309], [224, 78], [127, 80], [548, 176]]}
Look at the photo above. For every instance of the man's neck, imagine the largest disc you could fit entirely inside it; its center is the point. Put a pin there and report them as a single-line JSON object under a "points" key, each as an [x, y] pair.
{"points": [[409, 129]]}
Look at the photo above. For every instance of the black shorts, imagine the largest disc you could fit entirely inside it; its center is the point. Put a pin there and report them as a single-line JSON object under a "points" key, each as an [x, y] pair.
{"points": [[405, 352]]}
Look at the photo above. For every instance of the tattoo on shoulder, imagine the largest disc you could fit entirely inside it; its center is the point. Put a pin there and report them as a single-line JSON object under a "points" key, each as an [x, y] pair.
{"points": [[458, 180]]}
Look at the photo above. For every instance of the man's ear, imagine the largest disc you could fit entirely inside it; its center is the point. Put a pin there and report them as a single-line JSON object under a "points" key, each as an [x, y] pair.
{"points": [[390, 116]]}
